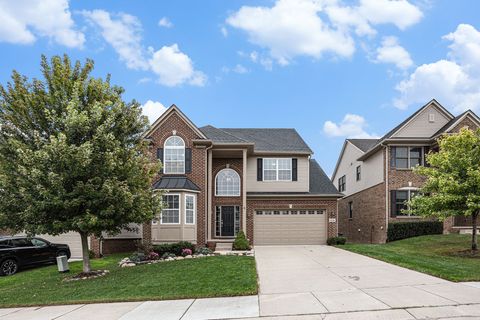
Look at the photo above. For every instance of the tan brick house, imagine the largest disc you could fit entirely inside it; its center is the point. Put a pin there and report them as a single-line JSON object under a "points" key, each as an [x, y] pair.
{"points": [[217, 182], [375, 175]]}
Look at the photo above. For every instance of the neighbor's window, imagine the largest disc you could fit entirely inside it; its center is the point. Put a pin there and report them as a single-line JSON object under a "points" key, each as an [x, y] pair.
{"points": [[350, 210], [227, 183], [341, 183], [174, 155], [171, 209], [190, 208], [407, 157], [400, 201], [277, 169], [358, 173]]}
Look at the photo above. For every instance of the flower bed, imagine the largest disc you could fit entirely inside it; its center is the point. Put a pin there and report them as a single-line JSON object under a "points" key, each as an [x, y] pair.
{"points": [[129, 262]]}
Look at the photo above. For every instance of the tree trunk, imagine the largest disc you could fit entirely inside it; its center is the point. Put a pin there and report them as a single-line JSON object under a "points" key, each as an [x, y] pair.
{"points": [[474, 231], [85, 252]]}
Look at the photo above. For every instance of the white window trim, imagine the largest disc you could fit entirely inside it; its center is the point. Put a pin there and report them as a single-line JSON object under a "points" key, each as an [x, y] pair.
{"points": [[276, 169], [194, 196], [239, 179], [173, 147], [179, 210]]}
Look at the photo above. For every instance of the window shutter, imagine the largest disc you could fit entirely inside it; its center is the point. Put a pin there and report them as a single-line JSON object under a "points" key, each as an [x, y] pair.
{"points": [[294, 169], [188, 160], [160, 157], [259, 169], [393, 152], [393, 207]]}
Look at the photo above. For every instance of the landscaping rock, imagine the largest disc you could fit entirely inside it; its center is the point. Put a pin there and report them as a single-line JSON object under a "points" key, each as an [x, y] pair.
{"points": [[179, 258], [188, 257]]}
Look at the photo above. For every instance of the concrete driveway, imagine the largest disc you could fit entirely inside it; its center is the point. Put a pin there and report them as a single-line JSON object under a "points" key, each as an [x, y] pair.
{"points": [[302, 280]]}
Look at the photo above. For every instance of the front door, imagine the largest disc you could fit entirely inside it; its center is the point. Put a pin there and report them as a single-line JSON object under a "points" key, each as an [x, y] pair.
{"points": [[228, 221]]}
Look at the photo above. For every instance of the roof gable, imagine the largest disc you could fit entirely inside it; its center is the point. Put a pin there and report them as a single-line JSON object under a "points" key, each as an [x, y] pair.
{"points": [[428, 120], [174, 110]]}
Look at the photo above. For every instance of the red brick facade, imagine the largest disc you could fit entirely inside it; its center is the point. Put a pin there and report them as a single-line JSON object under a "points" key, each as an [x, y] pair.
{"points": [[367, 224]]}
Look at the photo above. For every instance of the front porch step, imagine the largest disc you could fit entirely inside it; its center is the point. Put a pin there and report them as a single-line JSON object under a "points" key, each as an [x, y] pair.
{"points": [[466, 230], [224, 246]]}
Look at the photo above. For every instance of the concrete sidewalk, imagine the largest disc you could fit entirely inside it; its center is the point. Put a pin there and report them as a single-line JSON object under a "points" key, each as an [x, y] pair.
{"points": [[301, 282]]}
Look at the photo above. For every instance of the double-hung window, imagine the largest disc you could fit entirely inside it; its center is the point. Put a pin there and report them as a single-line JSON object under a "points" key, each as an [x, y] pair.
{"points": [[171, 209], [174, 156], [277, 169], [358, 173], [400, 199], [407, 157], [190, 208], [342, 183]]}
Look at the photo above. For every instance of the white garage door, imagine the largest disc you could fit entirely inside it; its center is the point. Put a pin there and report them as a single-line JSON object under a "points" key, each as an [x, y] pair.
{"points": [[71, 238], [285, 227]]}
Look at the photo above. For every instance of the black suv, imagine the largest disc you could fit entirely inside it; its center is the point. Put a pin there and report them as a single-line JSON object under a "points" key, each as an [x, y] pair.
{"points": [[19, 252]]}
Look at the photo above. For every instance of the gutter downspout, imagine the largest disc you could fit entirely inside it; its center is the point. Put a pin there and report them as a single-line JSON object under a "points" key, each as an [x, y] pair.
{"points": [[386, 186]]}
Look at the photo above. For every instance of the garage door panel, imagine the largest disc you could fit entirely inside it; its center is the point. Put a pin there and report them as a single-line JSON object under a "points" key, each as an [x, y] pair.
{"points": [[289, 229]]}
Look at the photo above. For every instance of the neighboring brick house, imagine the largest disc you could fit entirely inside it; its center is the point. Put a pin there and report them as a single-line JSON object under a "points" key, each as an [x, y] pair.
{"points": [[376, 178], [217, 182]]}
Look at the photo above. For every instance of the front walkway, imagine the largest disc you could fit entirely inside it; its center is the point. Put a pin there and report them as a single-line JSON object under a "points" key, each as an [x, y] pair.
{"points": [[301, 282]]}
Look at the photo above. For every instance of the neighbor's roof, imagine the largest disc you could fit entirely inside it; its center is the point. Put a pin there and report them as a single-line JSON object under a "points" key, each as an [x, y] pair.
{"points": [[363, 144], [264, 140], [175, 182], [320, 185]]}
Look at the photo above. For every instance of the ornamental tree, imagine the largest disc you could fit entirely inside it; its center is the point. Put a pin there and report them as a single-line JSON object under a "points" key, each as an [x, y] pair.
{"points": [[453, 180], [72, 156]]}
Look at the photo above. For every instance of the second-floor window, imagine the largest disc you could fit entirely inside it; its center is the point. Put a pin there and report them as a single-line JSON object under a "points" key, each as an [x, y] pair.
{"points": [[407, 157], [227, 183], [342, 183], [174, 155], [277, 169], [358, 173]]}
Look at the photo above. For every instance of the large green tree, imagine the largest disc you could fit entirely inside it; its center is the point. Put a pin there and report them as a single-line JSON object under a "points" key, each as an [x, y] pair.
{"points": [[453, 180], [72, 157]]}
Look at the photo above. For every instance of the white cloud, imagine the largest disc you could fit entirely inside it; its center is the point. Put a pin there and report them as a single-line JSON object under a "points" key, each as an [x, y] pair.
{"points": [[224, 31], [352, 126], [23, 21], [454, 81], [165, 22], [174, 67], [153, 110], [392, 52], [291, 28], [124, 33], [296, 28]]}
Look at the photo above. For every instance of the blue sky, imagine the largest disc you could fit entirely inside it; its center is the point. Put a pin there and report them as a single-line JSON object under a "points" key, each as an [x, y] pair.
{"points": [[331, 69]]}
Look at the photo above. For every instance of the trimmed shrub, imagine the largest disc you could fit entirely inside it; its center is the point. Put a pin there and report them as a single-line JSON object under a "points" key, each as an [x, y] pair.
{"points": [[333, 241], [203, 250], [174, 248], [241, 242], [404, 230]]}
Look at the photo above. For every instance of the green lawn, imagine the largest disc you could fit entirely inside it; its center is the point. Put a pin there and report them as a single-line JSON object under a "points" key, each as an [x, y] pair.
{"points": [[438, 255], [192, 278]]}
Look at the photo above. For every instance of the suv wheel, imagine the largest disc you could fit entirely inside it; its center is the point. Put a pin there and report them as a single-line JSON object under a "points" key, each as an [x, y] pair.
{"points": [[61, 253], [8, 267]]}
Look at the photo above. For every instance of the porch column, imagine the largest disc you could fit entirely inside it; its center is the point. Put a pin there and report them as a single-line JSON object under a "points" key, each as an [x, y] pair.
{"points": [[244, 193], [209, 196]]}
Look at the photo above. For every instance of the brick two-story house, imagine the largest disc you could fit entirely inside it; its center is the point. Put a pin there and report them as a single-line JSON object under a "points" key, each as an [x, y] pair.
{"points": [[375, 175], [217, 182]]}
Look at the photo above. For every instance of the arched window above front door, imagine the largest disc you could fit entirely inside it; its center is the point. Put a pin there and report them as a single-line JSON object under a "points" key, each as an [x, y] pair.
{"points": [[227, 183]]}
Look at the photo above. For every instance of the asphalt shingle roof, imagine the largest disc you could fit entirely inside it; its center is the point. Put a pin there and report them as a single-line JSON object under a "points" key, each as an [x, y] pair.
{"points": [[363, 144], [270, 140], [174, 182]]}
